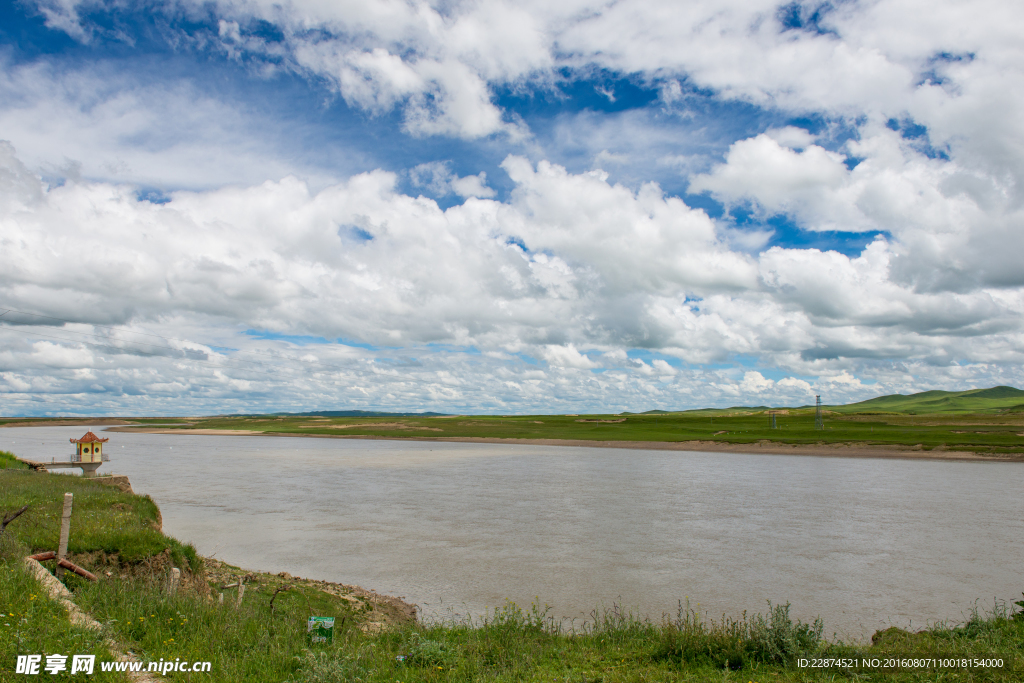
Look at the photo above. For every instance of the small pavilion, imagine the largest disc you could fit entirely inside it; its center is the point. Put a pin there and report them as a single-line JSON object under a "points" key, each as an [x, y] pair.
{"points": [[88, 453]]}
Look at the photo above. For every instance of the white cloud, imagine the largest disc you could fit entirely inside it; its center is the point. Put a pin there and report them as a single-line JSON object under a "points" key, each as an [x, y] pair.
{"points": [[778, 178], [472, 186], [53, 355], [798, 386], [63, 16], [566, 356], [95, 122], [946, 220], [663, 367], [571, 270], [755, 383], [438, 178], [791, 136], [842, 380], [879, 59], [570, 261]]}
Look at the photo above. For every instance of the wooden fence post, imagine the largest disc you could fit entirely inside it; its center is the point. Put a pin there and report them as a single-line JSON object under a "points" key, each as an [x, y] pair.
{"points": [[175, 577], [241, 592], [65, 531]]}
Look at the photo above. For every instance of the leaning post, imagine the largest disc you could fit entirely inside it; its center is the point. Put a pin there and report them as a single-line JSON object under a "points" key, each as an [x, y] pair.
{"points": [[65, 531]]}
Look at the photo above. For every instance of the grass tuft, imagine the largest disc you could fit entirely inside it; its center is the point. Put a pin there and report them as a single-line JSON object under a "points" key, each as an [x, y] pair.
{"points": [[9, 462]]}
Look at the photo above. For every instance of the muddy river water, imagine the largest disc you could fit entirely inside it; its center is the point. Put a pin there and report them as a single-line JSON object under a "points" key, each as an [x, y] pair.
{"points": [[459, 528]]}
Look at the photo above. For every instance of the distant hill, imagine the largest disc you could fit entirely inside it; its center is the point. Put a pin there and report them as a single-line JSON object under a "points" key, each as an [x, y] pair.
{"points": [[973, 400], [360, 413]]}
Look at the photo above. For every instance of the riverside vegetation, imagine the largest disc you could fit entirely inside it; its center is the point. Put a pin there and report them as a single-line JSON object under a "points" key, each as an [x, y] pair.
{"points": [[116, 535], [980, 422]]}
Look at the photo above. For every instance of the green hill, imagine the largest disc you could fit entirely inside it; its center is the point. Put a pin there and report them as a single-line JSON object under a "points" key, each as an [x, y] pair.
{"points": [[970, 401]]}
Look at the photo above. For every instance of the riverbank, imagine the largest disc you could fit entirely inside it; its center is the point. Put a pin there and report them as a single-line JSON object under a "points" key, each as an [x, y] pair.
{"points": [[127, 611], [139, 541], [262, 637], [991, 435], [995, 433], [379, 612], [765, 447]]}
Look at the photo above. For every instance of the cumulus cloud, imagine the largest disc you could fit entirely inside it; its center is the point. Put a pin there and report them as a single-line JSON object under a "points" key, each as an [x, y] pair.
{"points": [[554, 285], [937, 62], [779, 179], [534, 297], [101, 123], [437, 66], [946, 218], [566, 356], [755, 383], [438, 178]]}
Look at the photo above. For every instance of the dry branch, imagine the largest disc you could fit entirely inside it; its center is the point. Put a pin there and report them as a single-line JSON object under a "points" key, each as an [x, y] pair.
{"points": [[280, 589], [10, 518]]}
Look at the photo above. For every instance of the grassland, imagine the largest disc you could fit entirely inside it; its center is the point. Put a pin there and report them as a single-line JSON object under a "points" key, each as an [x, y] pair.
{"points": [[107, 521], [996, 400], [987, 422], [977, 423], [115, 535]]}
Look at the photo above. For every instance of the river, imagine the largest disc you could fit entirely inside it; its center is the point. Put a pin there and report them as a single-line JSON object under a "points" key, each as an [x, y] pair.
{"points": [[458, 528]]}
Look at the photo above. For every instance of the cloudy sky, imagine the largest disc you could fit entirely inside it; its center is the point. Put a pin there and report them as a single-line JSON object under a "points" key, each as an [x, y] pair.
{"points": [[512, 207]]}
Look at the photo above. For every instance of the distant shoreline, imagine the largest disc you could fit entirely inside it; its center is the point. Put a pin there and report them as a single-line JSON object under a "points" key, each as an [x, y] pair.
{"points": [[846, 450]]}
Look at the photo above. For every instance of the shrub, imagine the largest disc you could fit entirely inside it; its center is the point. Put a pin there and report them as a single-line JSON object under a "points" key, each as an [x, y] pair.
{"points": [[736, 643]]}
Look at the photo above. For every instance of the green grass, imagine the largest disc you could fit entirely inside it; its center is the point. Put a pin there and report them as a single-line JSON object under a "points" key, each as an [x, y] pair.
{"points": [[113, 535], [103, 518], [996, 434], [31, 623], [994, 400], [980, 421], [9, 462], [250, 643], [255, 642], [512, 646]]}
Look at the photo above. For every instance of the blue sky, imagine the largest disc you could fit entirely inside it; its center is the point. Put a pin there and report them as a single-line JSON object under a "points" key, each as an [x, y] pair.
{"points": [[494, 206]]}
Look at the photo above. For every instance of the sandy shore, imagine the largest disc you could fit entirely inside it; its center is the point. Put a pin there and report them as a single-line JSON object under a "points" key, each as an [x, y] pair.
{"points": [[845, 450]]}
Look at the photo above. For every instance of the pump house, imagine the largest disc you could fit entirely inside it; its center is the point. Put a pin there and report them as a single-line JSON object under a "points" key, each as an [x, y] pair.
{"points": [[89, 450]]}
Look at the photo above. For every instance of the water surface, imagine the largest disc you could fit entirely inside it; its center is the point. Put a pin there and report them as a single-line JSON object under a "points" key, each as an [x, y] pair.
{"points": [[457, 528]]}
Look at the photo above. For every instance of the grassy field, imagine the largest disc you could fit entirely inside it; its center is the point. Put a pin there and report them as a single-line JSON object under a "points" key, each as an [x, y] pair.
{"points": [[981, 421], [984, 421], [264, 639], [997, 400], [106, 520]]}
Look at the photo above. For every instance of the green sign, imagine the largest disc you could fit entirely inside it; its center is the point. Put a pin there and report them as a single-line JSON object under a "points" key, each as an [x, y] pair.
{"points": [[321, 629]]}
